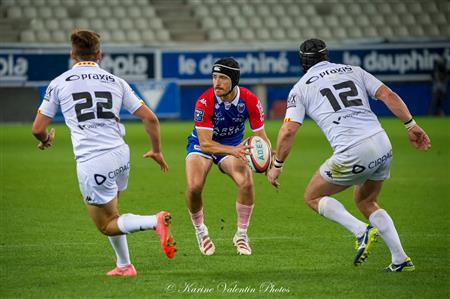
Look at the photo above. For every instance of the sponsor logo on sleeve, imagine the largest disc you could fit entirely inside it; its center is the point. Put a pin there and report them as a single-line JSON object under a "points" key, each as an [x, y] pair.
{"points": [[287, 119], [203, 101], [198, 115], [291, 102]]}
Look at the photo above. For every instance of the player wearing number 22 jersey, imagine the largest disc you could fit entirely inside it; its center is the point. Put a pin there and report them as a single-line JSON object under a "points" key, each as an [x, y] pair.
{"points": [[336, 97], [90, 99]]}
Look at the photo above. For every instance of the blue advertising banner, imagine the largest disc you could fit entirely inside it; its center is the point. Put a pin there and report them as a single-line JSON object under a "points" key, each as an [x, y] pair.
{"points": [[408, 62], [254, 64], [34, 67]]}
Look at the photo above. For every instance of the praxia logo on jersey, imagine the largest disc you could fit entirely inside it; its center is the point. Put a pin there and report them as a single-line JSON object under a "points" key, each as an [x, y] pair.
{"points": [[339, 70], [101, 77]]}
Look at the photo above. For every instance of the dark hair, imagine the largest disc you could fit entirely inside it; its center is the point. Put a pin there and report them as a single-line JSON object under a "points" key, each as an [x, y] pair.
{"points": [[229, 67], [85, 44], [312, 51]]}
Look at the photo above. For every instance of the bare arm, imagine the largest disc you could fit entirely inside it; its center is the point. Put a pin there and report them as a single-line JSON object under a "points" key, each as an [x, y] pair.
{"points": [[151, 125], [39, 130], [285, 140], [417, 136], [263, 135], [208, 145]]}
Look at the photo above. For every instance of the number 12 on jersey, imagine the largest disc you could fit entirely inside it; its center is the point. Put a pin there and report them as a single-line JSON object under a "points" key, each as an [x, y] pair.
{"points": [[343, 95]]}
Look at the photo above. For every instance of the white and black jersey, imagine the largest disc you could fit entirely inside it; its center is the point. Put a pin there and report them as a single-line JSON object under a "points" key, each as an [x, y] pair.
{"points": [[90, 99], [335, 96]]}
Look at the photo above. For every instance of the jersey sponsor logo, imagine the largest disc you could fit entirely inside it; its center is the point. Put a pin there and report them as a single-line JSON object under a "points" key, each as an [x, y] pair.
{"points": [[116, 172], [48, 94], [338, 121], [198, 115], [218, 117], [99, 179], [261, 111], [227, 131], [101, 77], [358, 169], [381, 160], [339, 70], [291, 102], [241, 107]]}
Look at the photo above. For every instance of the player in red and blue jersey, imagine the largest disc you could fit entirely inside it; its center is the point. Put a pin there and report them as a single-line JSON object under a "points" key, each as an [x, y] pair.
{"points": [[220, 115]]}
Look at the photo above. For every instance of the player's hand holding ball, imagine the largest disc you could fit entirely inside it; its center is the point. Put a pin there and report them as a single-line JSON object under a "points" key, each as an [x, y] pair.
{"points": [[48, 142], [258, 155]]}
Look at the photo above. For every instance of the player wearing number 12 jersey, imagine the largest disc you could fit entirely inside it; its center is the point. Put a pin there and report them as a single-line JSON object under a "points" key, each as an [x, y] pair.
{"points": [[90, 99], [335, 96]]}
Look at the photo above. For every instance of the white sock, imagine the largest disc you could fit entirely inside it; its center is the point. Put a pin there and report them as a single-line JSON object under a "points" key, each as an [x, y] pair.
{"points": [[334, 210], [381, 220], [130, 223], [120, 246]]}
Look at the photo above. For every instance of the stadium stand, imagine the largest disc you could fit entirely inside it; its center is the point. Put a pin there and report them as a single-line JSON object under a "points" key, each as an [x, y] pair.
{"points": [[231, 21]]}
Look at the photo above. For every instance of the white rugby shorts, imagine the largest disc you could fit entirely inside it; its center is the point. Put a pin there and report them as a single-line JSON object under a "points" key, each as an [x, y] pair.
{"points": [[368, 160], [102, 177]]}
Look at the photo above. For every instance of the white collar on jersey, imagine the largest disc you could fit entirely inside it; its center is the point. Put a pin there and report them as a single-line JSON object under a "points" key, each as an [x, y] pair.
{"points": [[85, 63], [236, 99]]}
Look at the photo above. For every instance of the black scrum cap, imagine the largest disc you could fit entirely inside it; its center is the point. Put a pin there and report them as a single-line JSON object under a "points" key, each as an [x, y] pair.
{"points": [[230, 68]]}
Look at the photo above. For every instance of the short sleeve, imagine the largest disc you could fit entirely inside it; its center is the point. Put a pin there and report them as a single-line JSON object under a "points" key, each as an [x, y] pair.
{"points": [[295, 110], [255, 114], [50, 103], [371, 83], [203, 114], [131, 102]]}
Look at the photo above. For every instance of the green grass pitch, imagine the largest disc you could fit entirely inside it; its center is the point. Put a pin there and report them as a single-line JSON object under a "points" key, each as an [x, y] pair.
{"points": [[49, 247]]}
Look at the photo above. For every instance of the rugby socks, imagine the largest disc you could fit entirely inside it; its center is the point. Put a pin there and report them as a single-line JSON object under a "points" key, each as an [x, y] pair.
{"points": [[381, 220], [120, 246], [130, 223], [334, 210], [197, 219], [244, 213]]}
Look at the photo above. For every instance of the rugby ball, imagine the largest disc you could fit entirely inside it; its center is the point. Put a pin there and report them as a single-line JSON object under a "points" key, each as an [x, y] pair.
{"points": [[259, 155]]}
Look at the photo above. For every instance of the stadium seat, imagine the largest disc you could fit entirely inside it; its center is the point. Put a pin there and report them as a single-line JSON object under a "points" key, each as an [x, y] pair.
{"points": [[23, 3], [241, 23], [30, 12], [201, 11], [141, 23], [52, 24], [37, 24], [112, 24], [105, 36], [134, 36], [155, 23], [263, 11], [247, 34], [226, 23], [81, 23], [105, 13], [119, 12], [126, 24], [209, 22], [294, 34], [232, 34], [97, 24], [60, 36], [278, 34], [118, 36], [133, 12], [148, 12], [262, 34], [27, 36], [217, 11], [270, 22], [148, 35], [216, 35], [162, 35], [60, 12], [255, 23], [278, 10], [43, 36], [67, 24]]}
